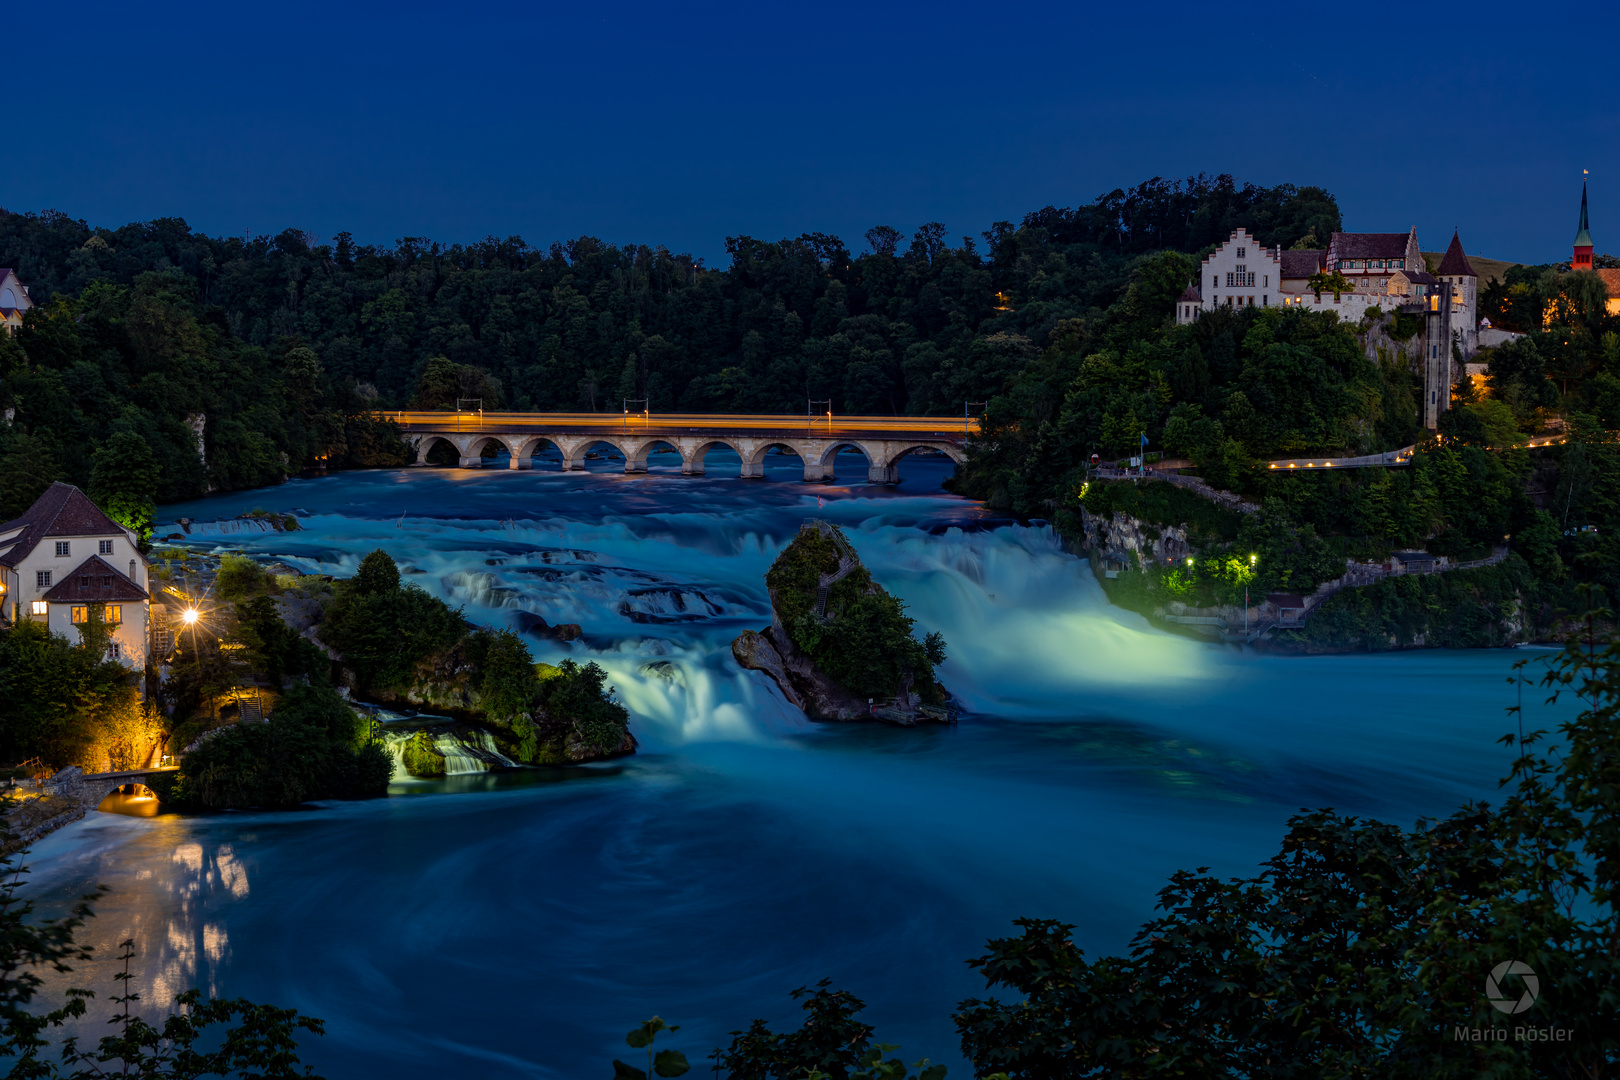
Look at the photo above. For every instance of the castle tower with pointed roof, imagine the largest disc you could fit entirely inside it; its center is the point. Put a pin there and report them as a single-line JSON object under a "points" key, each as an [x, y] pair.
{"points": [[1582, 259], [1455, 270]]}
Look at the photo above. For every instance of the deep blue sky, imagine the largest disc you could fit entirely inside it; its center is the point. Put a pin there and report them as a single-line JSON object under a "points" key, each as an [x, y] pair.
{"points": [[682, 124]]}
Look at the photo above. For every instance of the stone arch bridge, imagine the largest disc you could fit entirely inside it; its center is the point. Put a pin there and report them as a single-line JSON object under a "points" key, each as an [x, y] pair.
{"points": [[817, 442]]}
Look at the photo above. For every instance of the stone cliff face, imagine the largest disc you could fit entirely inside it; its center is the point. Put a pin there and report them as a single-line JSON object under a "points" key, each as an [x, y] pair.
{"points": [[773, 653]]}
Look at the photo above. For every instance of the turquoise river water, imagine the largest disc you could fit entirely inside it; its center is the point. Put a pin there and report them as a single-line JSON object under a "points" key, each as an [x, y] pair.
{"points": [[517, 924]]}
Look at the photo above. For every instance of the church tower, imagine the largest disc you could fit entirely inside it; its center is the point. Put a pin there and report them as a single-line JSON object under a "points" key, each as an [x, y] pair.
{"points": [[1583, 239]]}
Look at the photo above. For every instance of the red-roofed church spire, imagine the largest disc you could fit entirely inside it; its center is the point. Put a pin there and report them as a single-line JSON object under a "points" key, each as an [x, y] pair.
{"points": [[1583, 239]]}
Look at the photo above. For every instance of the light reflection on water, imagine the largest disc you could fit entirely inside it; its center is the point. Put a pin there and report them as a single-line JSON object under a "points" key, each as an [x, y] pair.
{"points": [[518, 925]]}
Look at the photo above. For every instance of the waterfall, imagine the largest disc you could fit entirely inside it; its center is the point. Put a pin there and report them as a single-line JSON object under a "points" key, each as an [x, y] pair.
{"points": [[457, 760], [466, 750]]}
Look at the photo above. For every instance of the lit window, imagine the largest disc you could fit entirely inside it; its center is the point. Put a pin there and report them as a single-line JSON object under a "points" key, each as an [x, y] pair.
{"points": [[114, 613], [105, 547], [37, 607], [62, 548], [42, 579], [79, 614]]}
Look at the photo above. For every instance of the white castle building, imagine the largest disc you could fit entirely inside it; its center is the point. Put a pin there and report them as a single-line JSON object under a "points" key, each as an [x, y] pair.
{"points": [[1383, 270]]}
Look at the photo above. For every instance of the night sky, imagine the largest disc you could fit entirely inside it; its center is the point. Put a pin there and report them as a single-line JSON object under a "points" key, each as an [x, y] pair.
{"points": [[682, 124]]}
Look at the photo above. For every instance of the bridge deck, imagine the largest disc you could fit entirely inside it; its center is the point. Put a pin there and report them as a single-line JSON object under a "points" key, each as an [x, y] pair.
{"points": [[821, 427]]}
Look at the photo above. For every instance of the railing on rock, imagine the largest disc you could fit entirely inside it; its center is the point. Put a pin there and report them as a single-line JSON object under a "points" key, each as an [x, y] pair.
{"points": [[847, 561]]}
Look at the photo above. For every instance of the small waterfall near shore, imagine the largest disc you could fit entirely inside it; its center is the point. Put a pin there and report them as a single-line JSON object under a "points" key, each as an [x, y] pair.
{"points": [[465, 750]]}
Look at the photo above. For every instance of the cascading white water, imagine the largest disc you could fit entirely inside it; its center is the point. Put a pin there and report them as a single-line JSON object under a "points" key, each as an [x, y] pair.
{"points": [[457, 761], [745, 851]]}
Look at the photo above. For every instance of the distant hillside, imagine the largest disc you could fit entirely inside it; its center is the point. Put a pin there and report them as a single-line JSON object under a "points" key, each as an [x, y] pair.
{"points": [[1485, 268]]}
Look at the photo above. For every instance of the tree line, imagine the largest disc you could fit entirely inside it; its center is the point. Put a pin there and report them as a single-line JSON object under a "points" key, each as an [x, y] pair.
{"points": [[237, 360]]}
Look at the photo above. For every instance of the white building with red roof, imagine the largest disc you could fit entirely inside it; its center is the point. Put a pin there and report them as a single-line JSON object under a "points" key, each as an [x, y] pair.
{"points": [[64, 558]]}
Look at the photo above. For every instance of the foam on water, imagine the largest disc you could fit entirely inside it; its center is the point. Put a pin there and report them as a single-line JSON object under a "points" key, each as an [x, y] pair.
{"points": [[746, 851]]}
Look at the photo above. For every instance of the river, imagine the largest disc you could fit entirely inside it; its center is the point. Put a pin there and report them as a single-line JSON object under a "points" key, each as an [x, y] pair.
{"points": [[517, 925]]}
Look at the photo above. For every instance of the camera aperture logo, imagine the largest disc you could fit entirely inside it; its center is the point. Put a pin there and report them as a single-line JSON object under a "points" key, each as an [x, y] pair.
{"points": [[1504, 1003], [1512, 998]]}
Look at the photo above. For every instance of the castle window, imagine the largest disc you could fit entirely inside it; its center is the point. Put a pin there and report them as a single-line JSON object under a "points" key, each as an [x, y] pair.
{"points": [[62, 549], [42, 579], [105, 547], [38, 607], [1242, 254]]}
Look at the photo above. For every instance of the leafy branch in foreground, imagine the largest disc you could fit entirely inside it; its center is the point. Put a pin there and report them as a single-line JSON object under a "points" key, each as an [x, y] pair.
{"points": [[663, 1063]]}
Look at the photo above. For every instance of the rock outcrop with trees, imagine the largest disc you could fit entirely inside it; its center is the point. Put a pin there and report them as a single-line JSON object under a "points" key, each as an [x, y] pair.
{"points": [[840, 646]]}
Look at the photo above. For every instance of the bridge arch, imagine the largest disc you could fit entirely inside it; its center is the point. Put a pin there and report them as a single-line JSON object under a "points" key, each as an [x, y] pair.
{"points": [[829, 455], [587, 444], [636, 449], [692, 460], [426, 444], [472, 453], [899, 450], [524, 447], [816, 459]]}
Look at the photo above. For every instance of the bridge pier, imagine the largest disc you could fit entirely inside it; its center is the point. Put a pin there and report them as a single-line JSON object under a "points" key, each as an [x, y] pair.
{"points": [[520, 463], [753, 470], [472, 462], [883, 474], [815, 472], [691, 468]]}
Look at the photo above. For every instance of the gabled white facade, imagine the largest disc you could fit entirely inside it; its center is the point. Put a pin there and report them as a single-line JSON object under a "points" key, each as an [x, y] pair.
{"points": [[1239, 273], [57, 560]]}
